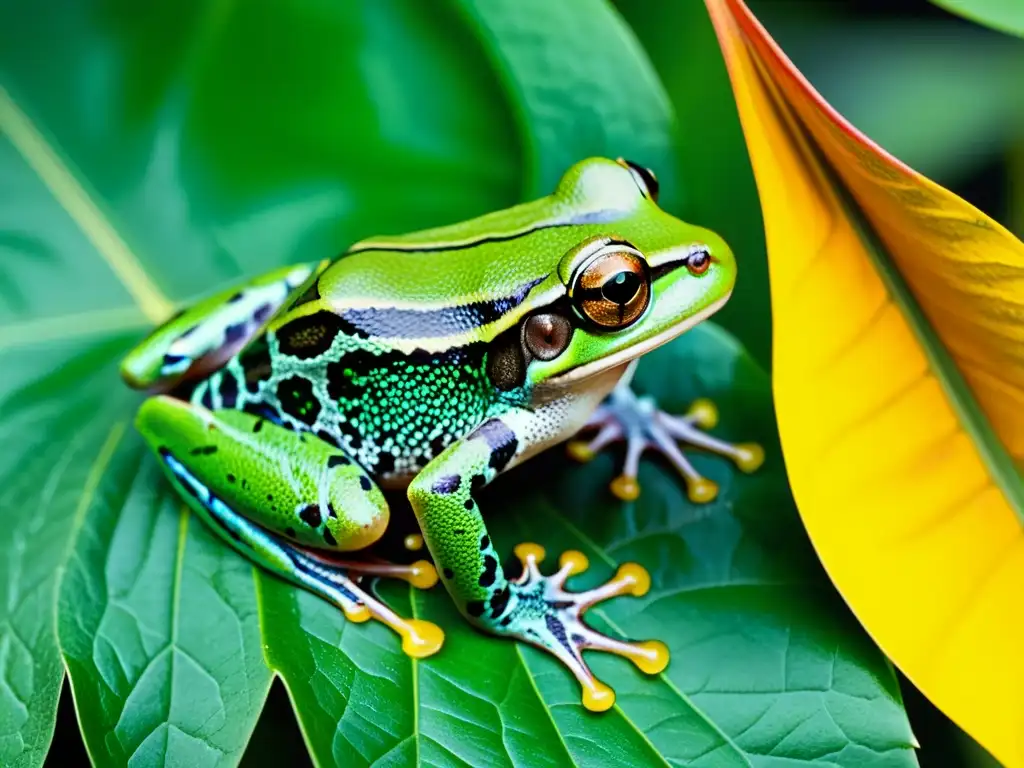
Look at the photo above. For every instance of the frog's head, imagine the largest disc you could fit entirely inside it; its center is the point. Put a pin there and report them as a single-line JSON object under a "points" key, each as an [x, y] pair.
{"points": [[630, 278]]}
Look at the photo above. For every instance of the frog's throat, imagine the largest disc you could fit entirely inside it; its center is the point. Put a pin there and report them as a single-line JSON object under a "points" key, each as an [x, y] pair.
{"points": [[631, 353]]}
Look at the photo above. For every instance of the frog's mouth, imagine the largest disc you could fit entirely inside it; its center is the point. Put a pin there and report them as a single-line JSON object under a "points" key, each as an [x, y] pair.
{"points": [[634, 351]]}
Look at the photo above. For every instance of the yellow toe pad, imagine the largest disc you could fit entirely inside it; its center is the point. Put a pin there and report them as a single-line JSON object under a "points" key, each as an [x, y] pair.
{"points": [[576, 561], [625, 487], [579, 450], [422, 574], [638, 578], [420, 638], [702, 490], [704, 413], [749, 457], [526, 550], [598, 697]]}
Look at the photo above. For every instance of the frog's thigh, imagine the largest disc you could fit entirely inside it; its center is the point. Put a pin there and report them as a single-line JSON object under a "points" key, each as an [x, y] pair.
{"points": [[292, 484], [204, 336], [266, 490]]}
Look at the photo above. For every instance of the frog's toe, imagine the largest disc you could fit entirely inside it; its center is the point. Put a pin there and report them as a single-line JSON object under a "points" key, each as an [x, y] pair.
{"points": [[626, 487], [609, 430], [638, 422], [549, 616], [422, 574], [419, 638]]}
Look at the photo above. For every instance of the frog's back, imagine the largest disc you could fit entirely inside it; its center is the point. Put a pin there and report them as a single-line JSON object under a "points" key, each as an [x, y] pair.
{"points": [[386, 353], [449, 286]]}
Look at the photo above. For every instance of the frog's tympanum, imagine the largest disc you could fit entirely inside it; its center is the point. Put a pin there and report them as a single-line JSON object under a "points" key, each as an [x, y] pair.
{"points": [[435, 361]]}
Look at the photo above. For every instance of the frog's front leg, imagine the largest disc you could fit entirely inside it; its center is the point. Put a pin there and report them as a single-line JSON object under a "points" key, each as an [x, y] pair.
{"points": [[203, 336], [285, 500], [531, 607], [643, 426]]}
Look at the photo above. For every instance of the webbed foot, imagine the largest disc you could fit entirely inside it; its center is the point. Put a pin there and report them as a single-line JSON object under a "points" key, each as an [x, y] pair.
{"points": [[542, 612], [638, 421]]}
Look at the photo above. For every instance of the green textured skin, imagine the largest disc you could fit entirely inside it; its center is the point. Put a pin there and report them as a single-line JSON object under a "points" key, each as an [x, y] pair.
{"points": [[289, 483], [381, 357]]}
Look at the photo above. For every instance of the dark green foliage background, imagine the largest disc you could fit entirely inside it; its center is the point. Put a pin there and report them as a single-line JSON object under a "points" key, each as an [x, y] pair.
{"points": [[219, 139]]}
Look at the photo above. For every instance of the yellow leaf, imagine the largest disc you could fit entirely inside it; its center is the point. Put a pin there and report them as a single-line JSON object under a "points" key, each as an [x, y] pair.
{"points": [[898, 364]]}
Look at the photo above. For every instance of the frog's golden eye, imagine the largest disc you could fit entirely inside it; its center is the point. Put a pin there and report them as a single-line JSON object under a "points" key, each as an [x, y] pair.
{"points": [[612, 289], [644, 178]]}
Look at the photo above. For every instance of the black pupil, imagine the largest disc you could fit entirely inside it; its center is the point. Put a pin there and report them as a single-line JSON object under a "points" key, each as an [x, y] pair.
{"points": [[698, 259], [621, 288]]}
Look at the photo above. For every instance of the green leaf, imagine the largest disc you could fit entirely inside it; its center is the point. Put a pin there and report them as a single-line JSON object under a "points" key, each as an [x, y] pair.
{"points": [[44, 481], [579, 83], [157, 621], [168, 148], [1004, 15]]}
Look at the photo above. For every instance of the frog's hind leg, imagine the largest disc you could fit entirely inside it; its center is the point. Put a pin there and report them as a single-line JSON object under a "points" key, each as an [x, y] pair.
{"points": [[204, 336], [284, 500], [643, 426]]}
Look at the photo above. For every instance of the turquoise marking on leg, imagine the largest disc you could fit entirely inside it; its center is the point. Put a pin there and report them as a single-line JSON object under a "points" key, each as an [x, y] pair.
{"points": [[263, 548]]}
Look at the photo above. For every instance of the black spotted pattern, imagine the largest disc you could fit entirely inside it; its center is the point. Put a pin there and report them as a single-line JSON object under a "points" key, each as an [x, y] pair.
{"points": [[206, 399], [256, 365], [490, 568], [499, 601], [344, 376], [557, 629], [228, 390], [310, 515], [298, 399], [312, 335]]}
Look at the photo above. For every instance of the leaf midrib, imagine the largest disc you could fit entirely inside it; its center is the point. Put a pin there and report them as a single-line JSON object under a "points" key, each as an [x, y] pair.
{"points": [[53, 171]]}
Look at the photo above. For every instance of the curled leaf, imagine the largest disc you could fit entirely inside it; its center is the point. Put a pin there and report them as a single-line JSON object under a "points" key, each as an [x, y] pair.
{"points": [[898, 316]]}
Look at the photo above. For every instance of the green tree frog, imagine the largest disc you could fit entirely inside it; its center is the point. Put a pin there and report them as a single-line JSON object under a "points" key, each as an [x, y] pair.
{"points": [[434, 361]]}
